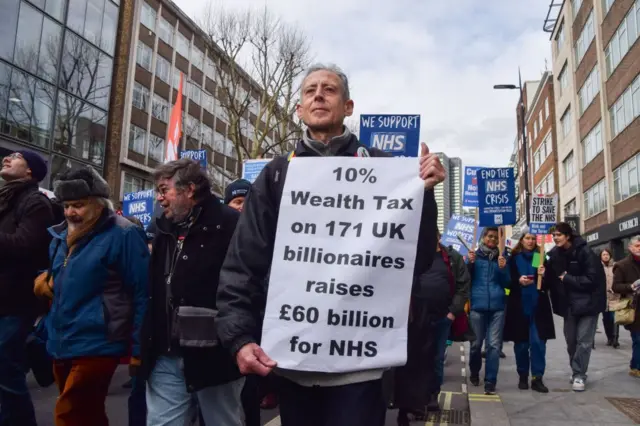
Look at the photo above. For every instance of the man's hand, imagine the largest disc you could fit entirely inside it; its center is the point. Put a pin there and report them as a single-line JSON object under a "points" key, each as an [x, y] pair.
{"points": [[562, 276], [451, 317], [251, 359], [431, 170], [472, 256], [541, 270], [502, 262]]}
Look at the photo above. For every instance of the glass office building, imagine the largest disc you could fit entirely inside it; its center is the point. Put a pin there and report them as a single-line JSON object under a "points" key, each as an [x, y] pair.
{"points": [[56, 64]]}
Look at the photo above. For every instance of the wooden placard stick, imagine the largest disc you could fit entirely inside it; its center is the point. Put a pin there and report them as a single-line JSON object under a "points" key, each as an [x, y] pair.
{"points": [[475, 232], [541, 262], [464, 243], [502, 240]]}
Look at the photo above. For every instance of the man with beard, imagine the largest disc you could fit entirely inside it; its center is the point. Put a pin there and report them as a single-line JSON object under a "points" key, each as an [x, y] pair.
{"points": [[181, 354], [98, 285], [25, 215]]}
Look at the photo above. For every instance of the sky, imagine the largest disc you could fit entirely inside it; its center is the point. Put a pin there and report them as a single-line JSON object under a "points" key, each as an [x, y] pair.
{"points": [[436, 58]]}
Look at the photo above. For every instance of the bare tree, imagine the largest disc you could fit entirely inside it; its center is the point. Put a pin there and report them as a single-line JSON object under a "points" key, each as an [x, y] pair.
{"points": [[262, 59]]}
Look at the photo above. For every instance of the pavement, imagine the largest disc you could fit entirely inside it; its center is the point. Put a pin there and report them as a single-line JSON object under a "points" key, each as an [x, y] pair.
{"points": [[608, 378]]}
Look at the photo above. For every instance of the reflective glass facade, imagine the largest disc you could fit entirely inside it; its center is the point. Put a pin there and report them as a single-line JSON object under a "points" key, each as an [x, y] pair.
{"points": [[56, 64]]}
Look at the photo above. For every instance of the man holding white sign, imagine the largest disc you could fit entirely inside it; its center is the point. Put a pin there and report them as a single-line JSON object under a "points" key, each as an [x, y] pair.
{"points": [[340, 242]]}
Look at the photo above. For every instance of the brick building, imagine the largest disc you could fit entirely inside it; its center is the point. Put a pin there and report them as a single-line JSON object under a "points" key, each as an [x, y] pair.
{"points": [[596, 64]]}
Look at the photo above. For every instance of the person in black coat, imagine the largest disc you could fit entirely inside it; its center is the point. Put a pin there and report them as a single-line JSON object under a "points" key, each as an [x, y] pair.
{"points": [[181, 355], [25, 215], [577, 284], [529, 319]]}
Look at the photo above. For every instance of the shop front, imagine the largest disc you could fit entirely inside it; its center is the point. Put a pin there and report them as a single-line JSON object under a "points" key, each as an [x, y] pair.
{"points": [[615, 236]]}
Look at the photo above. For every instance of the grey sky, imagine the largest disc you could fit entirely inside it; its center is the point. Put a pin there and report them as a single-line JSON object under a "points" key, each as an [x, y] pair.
{"points": [[436, 58]]}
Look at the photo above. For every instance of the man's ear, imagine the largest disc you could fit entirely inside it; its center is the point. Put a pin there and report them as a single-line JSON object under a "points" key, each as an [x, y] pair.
{"points": [[192, 190]]}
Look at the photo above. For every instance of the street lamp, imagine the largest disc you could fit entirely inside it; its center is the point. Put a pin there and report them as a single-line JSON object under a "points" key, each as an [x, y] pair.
{"points": [[524, 139]]}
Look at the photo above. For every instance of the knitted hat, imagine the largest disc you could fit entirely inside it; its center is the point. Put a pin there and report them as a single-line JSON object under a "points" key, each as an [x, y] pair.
{"points": [[237, 188], [37, 165], [80, 183]]}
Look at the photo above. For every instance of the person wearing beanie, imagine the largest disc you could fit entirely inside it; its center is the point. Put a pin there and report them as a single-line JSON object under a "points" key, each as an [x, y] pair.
{"points": [[25, 215], [98, 285], [528, 319], [576, 280], [236, 193], [626, 282]]}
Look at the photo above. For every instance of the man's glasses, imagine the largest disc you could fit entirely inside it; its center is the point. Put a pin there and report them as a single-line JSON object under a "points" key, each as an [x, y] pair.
{"points": [[14, 156]]}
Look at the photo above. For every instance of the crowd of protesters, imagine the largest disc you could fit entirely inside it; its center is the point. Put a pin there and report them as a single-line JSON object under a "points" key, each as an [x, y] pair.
{"points": [[183, 303]]}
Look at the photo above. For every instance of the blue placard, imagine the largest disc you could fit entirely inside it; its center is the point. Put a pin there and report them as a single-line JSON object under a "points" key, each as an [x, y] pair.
{"points": [[460, 226], [199, 155], [139, 205], [252, 168], [398, 135], [496, 196], [470, 192]]}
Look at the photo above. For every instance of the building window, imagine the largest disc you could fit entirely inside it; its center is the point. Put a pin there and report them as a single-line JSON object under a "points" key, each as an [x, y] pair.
{"points": [[571, 208], [144, 56], [606, 5], [197, 58], [626, 108], [207, 101], [207, 135], [136, 140], [176, 79], [182, 45], [535, 130], [163, 69], [624, 37], [543, 151], [135, 184], [563, 79], [210, 69], [148, 16], [560, 38], [565, 121], [194, 93], [546, 108], [165, 31], [156, 148], [584, 41], [140, 97], [595, 199], [546, 185], [592, 143], [589, 89], [575, 7], [568, 167], [625, 179], [160, 108]]}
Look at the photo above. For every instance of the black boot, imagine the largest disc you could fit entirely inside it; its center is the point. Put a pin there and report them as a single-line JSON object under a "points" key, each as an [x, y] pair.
{"points": [[403, 418], [523, 384], [433, 405], [616, 344], [609, 342], [538, 386], [475, 380], [502, 355]]}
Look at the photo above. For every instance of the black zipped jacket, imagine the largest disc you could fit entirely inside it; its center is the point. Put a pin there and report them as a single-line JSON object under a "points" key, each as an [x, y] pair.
{"points": [[194, 283], [245, 269]]}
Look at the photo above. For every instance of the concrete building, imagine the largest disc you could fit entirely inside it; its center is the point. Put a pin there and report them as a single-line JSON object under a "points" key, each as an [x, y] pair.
{"points": [[56, 63], [448, 194], [596, 63]]}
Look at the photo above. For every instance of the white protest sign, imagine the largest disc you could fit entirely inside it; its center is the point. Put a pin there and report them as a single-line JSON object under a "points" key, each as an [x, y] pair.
{"points": [[544, 211], [343, 262]]}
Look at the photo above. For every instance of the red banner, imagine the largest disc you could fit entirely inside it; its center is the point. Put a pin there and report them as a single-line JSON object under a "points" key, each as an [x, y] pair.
{"points": [[175, 128]]}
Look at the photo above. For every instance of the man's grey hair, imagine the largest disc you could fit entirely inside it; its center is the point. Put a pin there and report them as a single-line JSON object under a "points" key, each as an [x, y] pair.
{"points": [[335, 70], [106, 203], [634, 240], [184, 172]]}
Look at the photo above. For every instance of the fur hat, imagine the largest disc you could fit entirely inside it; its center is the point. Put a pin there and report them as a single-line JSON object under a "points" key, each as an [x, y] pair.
{"points": [[76, 184]]}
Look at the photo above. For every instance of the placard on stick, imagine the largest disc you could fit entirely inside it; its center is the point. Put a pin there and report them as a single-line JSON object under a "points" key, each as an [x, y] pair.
{"points": [[544, 211]]}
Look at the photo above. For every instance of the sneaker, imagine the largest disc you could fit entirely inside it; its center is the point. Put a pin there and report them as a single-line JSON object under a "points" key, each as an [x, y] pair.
{"points": [[634, 373], [475, 380], [578, 385], [523, 384], [489, 388], [538, 386]]}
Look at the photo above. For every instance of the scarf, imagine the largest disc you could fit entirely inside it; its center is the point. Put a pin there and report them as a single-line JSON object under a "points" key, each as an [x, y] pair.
{"points": [[10, 191], [327, 149], [636, 258], [524, 264], [490, 253]]}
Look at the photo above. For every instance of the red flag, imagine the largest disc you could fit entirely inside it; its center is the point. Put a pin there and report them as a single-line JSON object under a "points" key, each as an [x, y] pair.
{"points": [[175, 128]]}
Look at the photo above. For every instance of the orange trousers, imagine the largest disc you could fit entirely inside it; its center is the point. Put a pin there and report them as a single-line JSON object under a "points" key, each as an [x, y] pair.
{"points": [[83, 384]]}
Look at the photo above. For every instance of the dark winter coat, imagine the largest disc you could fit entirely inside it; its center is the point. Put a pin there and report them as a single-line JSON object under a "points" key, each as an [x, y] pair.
{"points": [[625, 273], [250, 253], [194, 283], [583, 292], [24, 243], [516, 324]]}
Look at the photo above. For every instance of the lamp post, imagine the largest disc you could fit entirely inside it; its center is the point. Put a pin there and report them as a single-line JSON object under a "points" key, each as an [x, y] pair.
{"points": [[524, 139]]}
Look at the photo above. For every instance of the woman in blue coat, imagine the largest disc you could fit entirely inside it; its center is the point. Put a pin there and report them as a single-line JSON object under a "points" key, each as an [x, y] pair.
{"points": [[529, 319]]}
